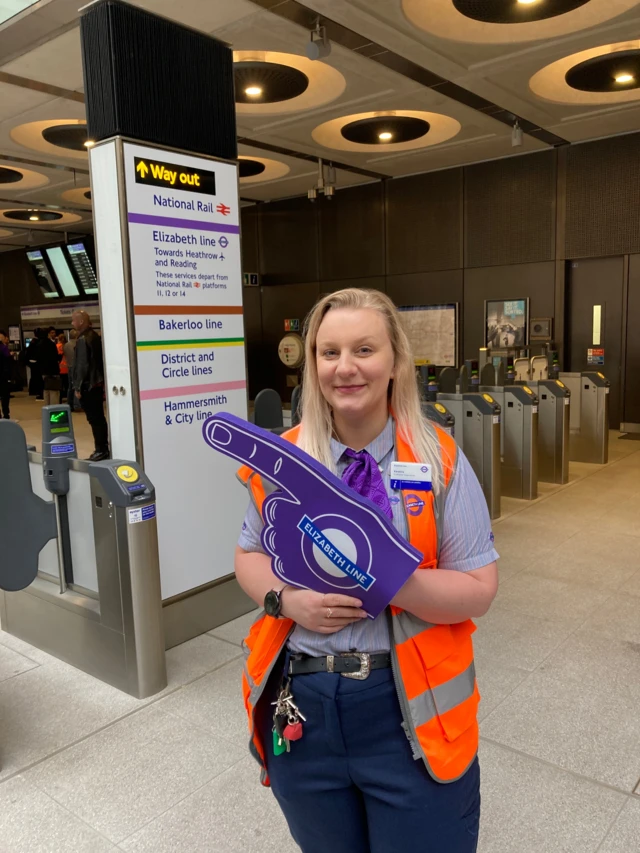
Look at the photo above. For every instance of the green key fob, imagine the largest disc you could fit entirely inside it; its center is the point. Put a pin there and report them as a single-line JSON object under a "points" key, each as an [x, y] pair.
{"points": [[279, 744]]}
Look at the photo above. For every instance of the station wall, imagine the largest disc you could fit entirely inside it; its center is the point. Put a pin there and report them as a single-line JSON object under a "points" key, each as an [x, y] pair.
{"points": [[502, 229]]}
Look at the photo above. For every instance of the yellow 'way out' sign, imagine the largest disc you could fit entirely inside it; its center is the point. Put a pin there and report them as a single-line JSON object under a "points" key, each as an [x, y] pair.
{"points": [[173, 176]]}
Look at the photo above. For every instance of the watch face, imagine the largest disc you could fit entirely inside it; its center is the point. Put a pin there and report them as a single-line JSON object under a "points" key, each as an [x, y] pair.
{"points": [[272, 603]]}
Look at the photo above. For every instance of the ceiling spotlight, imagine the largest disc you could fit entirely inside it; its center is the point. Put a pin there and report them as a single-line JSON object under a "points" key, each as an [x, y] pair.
{"points": [[253, 90], [528, 2], [312, 194], [319, 47], [385, 136], [624, 78], [89, 143], [516, 135], [34, 216]]}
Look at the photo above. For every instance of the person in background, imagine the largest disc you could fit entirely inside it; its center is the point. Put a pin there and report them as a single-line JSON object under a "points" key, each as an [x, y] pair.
{"points": [[5, 376], [36, 382], [52, 334], [64, 369], [69, 354], [49, 363], [87, 379]]}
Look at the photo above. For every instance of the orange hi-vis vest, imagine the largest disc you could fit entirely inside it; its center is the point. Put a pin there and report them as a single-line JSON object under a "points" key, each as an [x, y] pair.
{"points": [[433, 665]]}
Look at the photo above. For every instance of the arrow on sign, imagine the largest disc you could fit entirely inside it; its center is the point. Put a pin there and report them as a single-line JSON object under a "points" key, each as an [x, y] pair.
{"points": [[143, 169]]}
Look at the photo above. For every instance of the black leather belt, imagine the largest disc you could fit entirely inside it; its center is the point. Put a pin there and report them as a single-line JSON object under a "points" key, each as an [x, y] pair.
{"points": [[349, 664]]}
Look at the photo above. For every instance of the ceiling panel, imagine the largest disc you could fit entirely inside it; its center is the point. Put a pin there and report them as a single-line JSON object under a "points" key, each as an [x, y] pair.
{"points": [[57, 62]]}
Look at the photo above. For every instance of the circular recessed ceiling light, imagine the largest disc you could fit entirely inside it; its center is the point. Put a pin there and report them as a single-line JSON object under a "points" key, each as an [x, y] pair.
{"points": [[599, 75], [32, 215], [267, 82], [89, 143], [73, 137], [248, 168], [369, 131], [255, 170], [606, 73], [507, 21], [10, 176], [410, 129], [290, 83], [508, 12]]}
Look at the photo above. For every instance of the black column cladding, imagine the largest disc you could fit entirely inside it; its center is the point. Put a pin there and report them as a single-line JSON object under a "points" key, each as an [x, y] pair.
{"points": [[153, 80]]}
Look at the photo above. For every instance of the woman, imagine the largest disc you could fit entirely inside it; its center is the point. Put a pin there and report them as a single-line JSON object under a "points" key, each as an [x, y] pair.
{"points": [[385, 763]]}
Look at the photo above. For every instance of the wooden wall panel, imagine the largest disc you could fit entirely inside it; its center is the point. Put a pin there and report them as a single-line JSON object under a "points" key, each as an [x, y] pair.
{"points": [[536, 281], [372, 283], [288, 242], [424, 222], [351, 228], [631, 406], [249, 225], [510, 211], [603, 197], [426, 288], [280, 302]]}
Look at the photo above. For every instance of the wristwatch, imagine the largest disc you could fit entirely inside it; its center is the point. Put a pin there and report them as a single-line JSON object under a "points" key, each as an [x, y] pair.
{"points": [[273, 602]]}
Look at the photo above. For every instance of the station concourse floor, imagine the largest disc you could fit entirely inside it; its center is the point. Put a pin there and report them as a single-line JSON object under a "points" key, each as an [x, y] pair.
{"points": [[87, 769]]}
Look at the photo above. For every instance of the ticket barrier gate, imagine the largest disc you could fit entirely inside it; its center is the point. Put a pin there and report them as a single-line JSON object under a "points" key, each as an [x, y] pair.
{"points": [[438, 414], [518, 439], [476, 429], [589, 419], [554, 399], [82, 584]]}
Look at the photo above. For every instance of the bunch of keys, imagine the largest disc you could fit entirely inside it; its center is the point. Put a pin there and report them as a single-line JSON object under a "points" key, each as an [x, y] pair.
{"points": [[287, 725]]}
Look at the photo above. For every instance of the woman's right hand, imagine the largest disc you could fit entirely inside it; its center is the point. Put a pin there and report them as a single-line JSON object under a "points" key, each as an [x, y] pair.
{"points": [[325, 614]]}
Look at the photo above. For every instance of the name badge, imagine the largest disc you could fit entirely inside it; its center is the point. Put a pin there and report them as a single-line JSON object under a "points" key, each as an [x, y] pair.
{"points": [[411, 475]]}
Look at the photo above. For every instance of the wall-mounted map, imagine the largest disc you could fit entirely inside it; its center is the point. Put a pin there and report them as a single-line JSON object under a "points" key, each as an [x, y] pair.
{"points": [[432, 332]]}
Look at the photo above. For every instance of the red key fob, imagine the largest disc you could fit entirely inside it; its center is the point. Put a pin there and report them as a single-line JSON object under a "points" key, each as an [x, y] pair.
{"points": [[293, 731]]}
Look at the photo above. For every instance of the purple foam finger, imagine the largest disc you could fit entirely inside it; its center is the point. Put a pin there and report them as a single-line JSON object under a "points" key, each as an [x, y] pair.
{"points": [[320, 534]]}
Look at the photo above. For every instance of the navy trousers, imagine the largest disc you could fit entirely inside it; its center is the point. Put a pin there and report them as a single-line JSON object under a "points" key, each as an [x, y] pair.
{"points": [[351, 785]]}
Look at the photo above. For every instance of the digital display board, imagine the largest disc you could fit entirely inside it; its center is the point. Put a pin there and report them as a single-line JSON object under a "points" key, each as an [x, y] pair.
{"points": [[63, 271], [59, 421], [83, 268], [39, 267]]}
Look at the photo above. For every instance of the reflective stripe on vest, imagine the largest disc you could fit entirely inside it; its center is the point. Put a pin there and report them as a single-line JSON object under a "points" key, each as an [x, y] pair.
{"points": [[433, 664]]}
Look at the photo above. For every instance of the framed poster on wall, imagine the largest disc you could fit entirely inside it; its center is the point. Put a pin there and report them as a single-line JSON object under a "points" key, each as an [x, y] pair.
{"points": [[506, 323], [433, 333]]}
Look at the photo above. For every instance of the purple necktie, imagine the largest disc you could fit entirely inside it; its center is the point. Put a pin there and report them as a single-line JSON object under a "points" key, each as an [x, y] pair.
{"points": [[363, 475]]}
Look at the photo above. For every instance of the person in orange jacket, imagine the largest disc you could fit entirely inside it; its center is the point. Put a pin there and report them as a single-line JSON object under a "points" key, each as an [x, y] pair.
{"points": [[380, 752]]}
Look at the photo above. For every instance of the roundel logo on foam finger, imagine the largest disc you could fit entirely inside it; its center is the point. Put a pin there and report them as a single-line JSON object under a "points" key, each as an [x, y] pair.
{"points": [[337, 551]]}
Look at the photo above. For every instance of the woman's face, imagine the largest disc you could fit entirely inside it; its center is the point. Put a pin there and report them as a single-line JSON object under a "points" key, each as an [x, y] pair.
{"points": [[355, 361]]}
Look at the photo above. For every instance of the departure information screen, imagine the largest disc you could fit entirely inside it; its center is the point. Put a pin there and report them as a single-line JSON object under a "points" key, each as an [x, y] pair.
{"points": [[59, 421], [63, 271], [45, 281], [82, 266]]}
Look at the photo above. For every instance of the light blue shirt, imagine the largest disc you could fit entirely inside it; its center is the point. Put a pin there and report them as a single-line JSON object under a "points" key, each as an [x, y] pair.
{"points": [[467, 544]]}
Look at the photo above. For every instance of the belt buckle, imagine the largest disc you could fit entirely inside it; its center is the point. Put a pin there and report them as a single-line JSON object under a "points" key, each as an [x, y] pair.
{"points": [[365, 665]]}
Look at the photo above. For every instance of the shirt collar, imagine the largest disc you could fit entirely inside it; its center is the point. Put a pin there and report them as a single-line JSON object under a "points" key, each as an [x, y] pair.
{"points": [[378, 448]]}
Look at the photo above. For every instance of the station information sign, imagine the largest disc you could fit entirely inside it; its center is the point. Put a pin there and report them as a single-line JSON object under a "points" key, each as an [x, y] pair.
{"points": [[183, 298]]}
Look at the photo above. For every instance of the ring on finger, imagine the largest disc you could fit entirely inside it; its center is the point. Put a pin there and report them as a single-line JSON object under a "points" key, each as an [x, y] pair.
{"points": [[329, 613]]}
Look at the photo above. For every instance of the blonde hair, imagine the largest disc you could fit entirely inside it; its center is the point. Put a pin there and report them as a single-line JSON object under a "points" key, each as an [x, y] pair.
{"points": [[404, 397]]}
